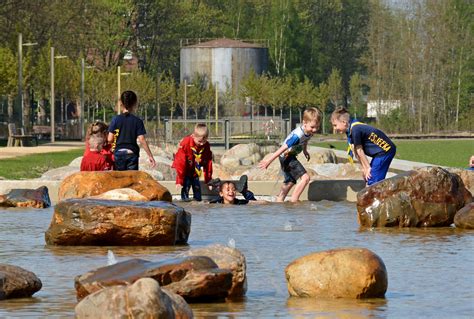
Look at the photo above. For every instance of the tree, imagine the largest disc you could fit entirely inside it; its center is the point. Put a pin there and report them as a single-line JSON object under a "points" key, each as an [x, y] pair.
{"points": [[8, 78], [335, 87], [355, 86]]}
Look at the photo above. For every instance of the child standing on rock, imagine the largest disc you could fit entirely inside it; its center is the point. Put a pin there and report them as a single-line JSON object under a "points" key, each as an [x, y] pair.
{"points": [[193, 158], [365, 140], [294, 144], [124, 131]]}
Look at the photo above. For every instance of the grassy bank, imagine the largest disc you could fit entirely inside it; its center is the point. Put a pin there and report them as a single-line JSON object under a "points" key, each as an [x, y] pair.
{"points": [[33, 166], [453, 153]]}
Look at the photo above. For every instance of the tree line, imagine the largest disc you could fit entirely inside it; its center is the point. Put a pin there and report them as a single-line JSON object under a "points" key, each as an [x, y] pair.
{"points": [[321, 53]]}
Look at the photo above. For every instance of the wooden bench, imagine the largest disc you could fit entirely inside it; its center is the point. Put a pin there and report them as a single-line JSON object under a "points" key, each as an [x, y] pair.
{"points": [[44, 131], [16, 138]]}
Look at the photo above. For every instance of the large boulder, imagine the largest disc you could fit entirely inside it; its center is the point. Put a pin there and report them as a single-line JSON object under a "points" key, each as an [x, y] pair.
{"points": [[464, 218], [16, 282], [86, 184], [338, 273], [143, 299], [428, 196], [323, 157], [194, 277], [227, 258], [111, 222], [34, 198], [467, 177], [122, 194]]}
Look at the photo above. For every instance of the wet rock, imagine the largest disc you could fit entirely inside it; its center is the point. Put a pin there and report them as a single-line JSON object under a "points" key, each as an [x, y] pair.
{"points": [[143, 299], [338, 273], [194, 277], [464, 218], [86, 184], [428, 196], [34, 198], [122, 194], [16, 282], [109, 222], [227, 258]]}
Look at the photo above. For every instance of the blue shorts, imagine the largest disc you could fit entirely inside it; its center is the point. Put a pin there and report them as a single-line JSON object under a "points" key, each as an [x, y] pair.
{"points": [[379, 167]]}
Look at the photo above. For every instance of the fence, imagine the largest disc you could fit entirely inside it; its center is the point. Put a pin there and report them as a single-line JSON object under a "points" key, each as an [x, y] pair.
{"points": [[230, 131]]}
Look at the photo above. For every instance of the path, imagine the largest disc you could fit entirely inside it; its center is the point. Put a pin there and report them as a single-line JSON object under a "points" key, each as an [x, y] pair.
{"points": [[9, 152]]}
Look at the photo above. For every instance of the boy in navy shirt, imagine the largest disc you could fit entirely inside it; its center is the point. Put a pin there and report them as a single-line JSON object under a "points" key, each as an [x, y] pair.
{"points": [[294, 144], [365, 140], [124, 130]]}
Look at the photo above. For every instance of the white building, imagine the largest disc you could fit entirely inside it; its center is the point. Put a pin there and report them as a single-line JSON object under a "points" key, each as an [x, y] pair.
{"points": [[382, 107]]}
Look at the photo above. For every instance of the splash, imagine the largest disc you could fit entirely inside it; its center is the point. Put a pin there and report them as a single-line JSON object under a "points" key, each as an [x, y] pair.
{"points": [[111, 258], [231, 243]]}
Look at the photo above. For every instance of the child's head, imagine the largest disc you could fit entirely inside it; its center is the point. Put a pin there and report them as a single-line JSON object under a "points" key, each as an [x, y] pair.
{"points": [[311, 120], [200, 134], [340, 119], [227, 192], [96, 142], [97, 128], [128, 100]]}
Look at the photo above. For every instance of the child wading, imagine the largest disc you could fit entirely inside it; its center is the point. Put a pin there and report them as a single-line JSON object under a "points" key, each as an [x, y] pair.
{"points": [[193, 158], [296, 142], [365, 140]]}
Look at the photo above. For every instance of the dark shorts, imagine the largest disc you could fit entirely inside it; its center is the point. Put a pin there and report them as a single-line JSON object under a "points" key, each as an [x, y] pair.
{"points": [[292, 169], [125, 162]]}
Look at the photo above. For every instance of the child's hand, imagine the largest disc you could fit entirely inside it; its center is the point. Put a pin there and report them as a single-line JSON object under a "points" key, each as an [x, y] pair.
{"points": [[178, 187], [263, 164], [152, 161], [367, 174], [306, 154]]}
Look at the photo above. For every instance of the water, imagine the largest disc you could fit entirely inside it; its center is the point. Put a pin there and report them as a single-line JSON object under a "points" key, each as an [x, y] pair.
{"points": [[430, 271]]}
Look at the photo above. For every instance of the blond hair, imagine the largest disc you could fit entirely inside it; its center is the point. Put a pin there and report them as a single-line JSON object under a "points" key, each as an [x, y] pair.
{"points": [[201, 130], [340, 113], [96, 128], [312, 113], [96, 142]]}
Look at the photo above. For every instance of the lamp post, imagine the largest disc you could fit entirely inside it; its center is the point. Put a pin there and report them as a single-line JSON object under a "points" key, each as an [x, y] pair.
{"points": [[81, 118], [20, 73], [52, 91], [186, 85], [119, 73], [217, 107]]}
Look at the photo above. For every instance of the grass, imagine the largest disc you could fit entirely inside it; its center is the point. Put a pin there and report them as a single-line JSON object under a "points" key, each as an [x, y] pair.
{"points": [[452, 153], [33, 166]]}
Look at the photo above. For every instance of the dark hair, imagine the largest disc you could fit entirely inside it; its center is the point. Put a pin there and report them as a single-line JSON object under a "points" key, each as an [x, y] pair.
{"points": [[128, 99]]}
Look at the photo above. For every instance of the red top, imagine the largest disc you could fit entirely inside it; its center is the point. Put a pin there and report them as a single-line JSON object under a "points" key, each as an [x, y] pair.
{"points": [[191, 160], [95, 161], [106, 151]]}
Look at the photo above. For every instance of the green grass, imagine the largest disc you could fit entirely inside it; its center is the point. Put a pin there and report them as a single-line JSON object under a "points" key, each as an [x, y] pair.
{"points": [[33, 166], [453, 153]]}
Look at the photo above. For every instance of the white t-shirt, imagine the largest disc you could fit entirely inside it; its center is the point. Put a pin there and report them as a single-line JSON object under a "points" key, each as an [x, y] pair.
{"points": [[295, 141]]}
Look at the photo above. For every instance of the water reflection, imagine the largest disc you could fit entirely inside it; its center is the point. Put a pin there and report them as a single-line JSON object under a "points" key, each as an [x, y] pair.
{"points": [[335, 308]]}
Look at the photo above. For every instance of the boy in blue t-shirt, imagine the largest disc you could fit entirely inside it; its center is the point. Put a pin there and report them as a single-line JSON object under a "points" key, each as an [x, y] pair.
{"points": [[365, 140], [124, 130], [294, 144]]}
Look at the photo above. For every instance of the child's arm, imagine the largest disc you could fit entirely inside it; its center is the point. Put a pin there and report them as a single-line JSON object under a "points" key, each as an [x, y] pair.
{"points": [[110, 138], [208, 163], [305, 151], [265, 163], [359, 152], [151, 159]]}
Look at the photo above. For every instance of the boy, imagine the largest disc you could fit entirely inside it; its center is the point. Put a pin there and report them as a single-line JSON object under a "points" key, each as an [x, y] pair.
{"points": [[296, 142], [365, 140], [193, 158], [228, 189], [94, 160], [123, 133]]}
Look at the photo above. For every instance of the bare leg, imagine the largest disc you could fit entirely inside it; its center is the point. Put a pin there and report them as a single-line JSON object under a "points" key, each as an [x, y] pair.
{"points": [[285, 188], [300, 188]]}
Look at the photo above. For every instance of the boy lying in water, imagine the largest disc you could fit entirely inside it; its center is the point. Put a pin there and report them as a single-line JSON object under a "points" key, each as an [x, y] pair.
{"points": [[228, 189]]}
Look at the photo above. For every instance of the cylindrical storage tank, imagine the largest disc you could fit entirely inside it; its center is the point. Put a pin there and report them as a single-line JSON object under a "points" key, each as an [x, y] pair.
{"points": [[224, 62]]}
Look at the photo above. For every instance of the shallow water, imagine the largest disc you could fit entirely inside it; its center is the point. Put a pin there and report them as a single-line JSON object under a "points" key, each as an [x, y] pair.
{"points": [[430, 271]]}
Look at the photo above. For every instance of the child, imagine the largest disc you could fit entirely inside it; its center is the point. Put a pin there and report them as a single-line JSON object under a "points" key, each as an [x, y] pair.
{"points": [[193, 157], [365, 140], [471, 163], [227, 193], [94, 160], [123, 133], [99, 128], [296, 142]]}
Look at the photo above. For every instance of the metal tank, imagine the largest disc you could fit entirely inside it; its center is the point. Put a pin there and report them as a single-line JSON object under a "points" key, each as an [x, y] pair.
{"points": [[224, 62]]}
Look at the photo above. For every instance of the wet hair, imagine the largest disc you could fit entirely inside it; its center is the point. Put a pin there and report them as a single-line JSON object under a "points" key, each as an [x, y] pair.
{"points": [[312, 113], [96, 128], [221, 187], [129, 100], [201, 130], [340, 113], [96, 142]]}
